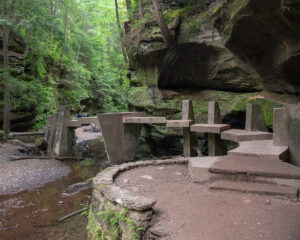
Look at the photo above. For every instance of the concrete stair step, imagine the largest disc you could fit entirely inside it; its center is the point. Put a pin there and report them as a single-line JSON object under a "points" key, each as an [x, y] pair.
{"points": [[258, 188], [255, 166], [238, 135], [199, 168], [261, 148]]}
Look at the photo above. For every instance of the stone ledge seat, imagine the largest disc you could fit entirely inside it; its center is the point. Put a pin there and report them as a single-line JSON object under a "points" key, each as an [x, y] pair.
{"points": [[141, 120], [209, 128], [179, 123], [238, 135], [261, 148]]}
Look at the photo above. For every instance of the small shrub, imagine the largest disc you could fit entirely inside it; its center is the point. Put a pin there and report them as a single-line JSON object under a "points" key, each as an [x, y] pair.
{"points": [[3, 136]]}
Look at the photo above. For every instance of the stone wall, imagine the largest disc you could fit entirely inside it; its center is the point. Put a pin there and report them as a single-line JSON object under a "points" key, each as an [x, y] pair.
{"points": [[116, 212]]}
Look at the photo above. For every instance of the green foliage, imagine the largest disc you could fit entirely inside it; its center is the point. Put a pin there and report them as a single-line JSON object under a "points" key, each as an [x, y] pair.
{"points": [[2, 136], [111, 225], [74, 54]]}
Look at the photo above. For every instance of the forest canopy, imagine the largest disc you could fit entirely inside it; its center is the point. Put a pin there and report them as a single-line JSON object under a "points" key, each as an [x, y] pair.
{"points": [[63, 52]]}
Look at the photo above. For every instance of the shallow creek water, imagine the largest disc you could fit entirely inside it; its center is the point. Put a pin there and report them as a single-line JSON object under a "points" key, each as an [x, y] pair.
{"points": [[34, 214]]}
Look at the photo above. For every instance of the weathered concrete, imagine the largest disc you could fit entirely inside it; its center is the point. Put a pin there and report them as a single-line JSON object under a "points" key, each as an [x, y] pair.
{"points": [[141, 120], [199, 166], [255, 118], [189, 139], [238, 135], [179, 123], [258, 188], [280, 126], [255, 166], [210, 128], [214, 113], [63, 135], [120, 139], [261, 148], [216, 146]]}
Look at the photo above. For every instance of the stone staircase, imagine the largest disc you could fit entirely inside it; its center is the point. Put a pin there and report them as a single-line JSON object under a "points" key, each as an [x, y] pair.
{"points": [[257, 165]]}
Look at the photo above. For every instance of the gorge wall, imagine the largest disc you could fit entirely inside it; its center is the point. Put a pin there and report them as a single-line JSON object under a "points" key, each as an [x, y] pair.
{"points": [[232, 51]]}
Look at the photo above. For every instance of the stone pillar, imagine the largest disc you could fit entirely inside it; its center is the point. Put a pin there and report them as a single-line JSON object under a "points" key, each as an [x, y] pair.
{"points": [[52, 130], [47, 129], [63, 135], [214, 113], [255, 118], [216, 146], [189, 138], [120, 139], [280, 126]]}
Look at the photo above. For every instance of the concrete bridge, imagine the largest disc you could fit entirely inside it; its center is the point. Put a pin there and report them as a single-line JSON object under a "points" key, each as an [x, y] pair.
{"points": [[59, 131], [122, 130]]}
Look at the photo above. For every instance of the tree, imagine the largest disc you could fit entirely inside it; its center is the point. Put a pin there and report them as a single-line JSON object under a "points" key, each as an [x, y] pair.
{"points": [[165, 31], [141, 8], [120, 31]]}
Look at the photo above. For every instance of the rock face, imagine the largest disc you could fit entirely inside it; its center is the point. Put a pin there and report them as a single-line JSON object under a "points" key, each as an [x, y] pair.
{"points": [[266, 35], [234, 45], [199, 60]]}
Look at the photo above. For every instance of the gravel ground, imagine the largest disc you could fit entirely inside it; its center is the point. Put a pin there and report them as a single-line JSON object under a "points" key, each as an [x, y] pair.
{"points": [[8, 151], [28, 174]]}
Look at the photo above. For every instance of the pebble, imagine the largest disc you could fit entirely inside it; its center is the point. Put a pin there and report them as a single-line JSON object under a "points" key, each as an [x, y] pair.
{"points": [[268, 201], [147, 177]]}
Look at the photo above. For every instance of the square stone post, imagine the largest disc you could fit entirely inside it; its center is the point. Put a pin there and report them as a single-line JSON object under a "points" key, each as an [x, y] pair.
{"points": [[280, 126], [255, 118], [189, 138], [63, 135], [216, 146]]}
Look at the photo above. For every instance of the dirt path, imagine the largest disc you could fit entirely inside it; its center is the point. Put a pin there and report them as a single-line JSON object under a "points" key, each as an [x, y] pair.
{"points": [[189, 211]]}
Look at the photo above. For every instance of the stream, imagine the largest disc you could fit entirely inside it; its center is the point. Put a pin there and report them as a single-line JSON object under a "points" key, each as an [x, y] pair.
{"points": [[34, 214]]}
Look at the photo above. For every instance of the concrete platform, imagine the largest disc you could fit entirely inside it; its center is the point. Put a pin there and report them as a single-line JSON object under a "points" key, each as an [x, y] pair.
{"points": [[261, 148], [238, 135], [255, 166], [141, 120], [258, 188], [199, 168], [179, 123], [209, 128]]}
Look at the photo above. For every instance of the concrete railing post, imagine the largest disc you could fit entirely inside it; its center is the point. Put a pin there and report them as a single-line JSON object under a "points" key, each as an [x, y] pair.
{"points": [[189, 138], [255, 118], [216, 146]]}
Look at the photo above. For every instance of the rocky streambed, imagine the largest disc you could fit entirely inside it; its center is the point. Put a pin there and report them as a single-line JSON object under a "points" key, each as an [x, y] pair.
{"points": [[32, 201]]}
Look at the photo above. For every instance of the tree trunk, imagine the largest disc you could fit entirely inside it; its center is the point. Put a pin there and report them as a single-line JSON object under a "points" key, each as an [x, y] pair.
{"points": [[165, 31], [6, 100], [65, 37], [128, 5], [141, 8], [120, 32]]}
